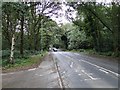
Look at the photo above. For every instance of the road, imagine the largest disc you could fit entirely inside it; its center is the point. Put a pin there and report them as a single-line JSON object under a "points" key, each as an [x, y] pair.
{"points": [[81, 71], [66, 70]]}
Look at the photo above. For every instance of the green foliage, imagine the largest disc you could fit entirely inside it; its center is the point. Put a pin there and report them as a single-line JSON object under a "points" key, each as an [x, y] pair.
{"points": [[96, 21], [30, 58], [77, 38], [96, 27]]}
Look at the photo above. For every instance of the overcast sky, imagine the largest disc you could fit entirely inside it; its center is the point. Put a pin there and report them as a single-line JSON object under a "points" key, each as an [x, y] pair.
{"points": [[63, 18]]}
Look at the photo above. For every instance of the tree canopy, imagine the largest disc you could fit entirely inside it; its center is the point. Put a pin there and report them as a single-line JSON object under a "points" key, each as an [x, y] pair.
{"points": [[29, 26]]}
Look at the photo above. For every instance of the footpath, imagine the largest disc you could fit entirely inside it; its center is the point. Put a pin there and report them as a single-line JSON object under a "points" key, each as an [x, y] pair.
{"points": [[44, 76]]}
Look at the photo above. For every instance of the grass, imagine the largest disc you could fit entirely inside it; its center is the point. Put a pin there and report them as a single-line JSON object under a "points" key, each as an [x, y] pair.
{"points": [[78, 50], [108, 53], [93, 52], [28, 61]]}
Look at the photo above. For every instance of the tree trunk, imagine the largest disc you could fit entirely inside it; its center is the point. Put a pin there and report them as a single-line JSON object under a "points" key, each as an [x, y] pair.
{"points": [[93, 31], [7, 33], [37, 37], [115, 23], [22, 32], [28, 37], [11, 61], [119, 29], [36, 42]]}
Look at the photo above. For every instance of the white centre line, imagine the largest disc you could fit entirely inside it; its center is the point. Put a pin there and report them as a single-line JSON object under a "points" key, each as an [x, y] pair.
{"points": [[116, 74], [101, 68], [104, 71]]}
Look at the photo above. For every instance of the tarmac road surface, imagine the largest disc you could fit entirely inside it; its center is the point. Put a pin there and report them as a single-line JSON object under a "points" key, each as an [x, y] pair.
{"points": [[66, 70]]}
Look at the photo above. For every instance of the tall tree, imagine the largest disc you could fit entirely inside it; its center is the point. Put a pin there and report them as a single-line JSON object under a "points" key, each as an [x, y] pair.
{"points": [[116, 26]]}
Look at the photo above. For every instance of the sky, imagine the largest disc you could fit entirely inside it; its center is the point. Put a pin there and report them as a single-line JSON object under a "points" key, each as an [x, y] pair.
{"points": [[63, 19]]}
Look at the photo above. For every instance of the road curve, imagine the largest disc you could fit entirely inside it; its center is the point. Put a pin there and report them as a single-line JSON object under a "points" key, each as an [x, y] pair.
{"points": [[80, 71], [66, 70]]}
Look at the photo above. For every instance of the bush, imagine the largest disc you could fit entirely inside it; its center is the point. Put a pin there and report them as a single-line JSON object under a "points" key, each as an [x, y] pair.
{"points": [[17, 56]]}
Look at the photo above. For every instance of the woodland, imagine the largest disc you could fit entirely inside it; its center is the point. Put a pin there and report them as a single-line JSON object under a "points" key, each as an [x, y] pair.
{"points": [[27, 28]]}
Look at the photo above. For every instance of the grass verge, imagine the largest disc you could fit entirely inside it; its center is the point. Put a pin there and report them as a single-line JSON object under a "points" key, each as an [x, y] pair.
{"points": [[93, 52], [28, 62]]}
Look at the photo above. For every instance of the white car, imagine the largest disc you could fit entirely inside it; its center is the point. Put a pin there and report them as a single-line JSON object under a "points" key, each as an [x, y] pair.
{"points": [[54, 49]]}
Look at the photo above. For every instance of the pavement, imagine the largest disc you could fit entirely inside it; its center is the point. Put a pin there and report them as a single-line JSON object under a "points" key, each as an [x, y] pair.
{"points": [[66, 70], [45, 76]]}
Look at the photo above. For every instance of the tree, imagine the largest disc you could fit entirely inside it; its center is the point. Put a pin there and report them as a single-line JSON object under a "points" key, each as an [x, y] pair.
{"points": [[99, 21], [116, 26], [12, 20]]}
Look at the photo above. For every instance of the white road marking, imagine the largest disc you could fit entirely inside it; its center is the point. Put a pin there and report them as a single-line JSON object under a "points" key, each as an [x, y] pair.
{"points": [[89, 75], [71, 65], [86, 79], [101, 68], [79, 74], [104, 71], [64, 72], [90, 79], [116, 74], [76, 53], [76, 70], [31, 69], [38, 74], [68, 57], [82, 70]]}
